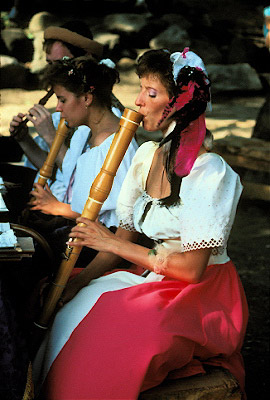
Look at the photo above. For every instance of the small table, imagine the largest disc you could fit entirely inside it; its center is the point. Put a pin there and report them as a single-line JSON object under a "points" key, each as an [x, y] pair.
{"points": [[24, 249], [25, 245]]}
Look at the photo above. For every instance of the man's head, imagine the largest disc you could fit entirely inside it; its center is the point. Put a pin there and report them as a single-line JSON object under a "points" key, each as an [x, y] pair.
{"points": [[56, 51], [72, 39]]}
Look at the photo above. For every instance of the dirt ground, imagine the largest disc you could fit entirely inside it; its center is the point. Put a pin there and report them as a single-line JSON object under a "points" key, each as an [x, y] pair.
{"points": [[249, 245]]}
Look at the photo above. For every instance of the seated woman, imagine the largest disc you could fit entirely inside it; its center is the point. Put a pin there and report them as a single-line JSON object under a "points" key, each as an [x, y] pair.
{"points": [[84, 91], [72, 39], [121, 333]]}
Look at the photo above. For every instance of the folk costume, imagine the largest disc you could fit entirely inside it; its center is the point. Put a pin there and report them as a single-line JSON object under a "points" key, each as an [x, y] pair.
{"points": [[124, 333]]}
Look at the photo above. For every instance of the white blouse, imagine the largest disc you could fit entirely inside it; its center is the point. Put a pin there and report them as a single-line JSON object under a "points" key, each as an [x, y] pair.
{"points": [[88, 167], [202, 219], [77, 144]]}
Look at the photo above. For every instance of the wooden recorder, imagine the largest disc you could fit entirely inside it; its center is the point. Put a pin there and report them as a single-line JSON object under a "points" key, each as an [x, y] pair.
{"points": [[99, 192]]}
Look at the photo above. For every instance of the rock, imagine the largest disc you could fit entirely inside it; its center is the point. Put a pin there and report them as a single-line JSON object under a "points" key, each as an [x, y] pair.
{"points": [[247, 50], [153, 27], [3, 47], [184, 7], [38, 62], [176, 19], [40, 21], [265, 79], [262, 126], [124, 22], [17, 44], [107, 39], [122, 51], [160, 7], [7, 60], [125, 64], [15, 75], [238, 51], [173, 38], [233, 77], [105, 7], [207, 51], [37, 24]]}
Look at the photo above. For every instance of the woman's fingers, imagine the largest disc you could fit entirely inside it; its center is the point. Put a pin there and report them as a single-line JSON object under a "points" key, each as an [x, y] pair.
{"points": [[85, 221], [16, 120], [47, 188], [40, 191]]}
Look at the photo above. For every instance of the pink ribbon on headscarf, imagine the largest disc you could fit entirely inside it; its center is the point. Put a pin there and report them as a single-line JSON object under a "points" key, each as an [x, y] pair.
{"points": [[186, 96], [190, 143], [186, 50], [183, 98]]}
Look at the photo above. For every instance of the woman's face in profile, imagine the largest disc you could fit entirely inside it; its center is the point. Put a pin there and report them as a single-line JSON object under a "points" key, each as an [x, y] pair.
{"points": [[72, 108], [151, 100]]}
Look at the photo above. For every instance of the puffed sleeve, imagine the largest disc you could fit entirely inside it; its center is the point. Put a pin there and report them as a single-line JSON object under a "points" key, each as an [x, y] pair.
{"points": [[209, 198], [134, 184]]}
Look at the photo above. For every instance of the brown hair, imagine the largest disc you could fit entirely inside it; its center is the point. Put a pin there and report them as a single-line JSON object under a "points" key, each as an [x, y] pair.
{"points": [[157, 63], [82, 75]]}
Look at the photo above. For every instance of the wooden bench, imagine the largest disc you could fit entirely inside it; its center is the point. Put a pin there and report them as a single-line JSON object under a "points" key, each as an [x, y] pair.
{"points": [[216, 384], [250, 157]]}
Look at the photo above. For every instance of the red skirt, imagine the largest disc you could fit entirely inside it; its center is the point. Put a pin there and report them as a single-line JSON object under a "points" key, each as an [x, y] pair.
{"points": [[133, 338]]}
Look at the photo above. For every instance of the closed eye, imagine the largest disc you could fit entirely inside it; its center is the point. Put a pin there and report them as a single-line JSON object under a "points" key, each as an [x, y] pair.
{"points": [[61, 99], [152, 93]]}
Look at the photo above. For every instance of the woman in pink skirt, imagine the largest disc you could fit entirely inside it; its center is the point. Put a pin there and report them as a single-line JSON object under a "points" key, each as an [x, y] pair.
{"points": [[120, 333]]}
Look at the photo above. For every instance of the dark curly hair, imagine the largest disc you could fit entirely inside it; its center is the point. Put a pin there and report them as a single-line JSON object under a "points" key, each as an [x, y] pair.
{"points": [[82, 75]]}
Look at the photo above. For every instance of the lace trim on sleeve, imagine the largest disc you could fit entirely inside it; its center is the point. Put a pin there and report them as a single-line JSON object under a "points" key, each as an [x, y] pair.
{"points": [[127, 225], [218, 246], [125, 217]]}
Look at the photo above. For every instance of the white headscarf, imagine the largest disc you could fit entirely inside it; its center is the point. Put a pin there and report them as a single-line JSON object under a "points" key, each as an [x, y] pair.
{"points": [[190, 59]]}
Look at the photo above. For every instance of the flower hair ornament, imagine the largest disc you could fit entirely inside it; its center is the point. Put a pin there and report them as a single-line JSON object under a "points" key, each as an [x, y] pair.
{"points": [[192, 94], [74, 69]]}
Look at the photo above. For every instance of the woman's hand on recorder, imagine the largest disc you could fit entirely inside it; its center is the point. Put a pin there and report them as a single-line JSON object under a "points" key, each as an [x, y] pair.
{"points": [[93, 235], [42, 121], [15, 122], [44, 201], [47, 203]]}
